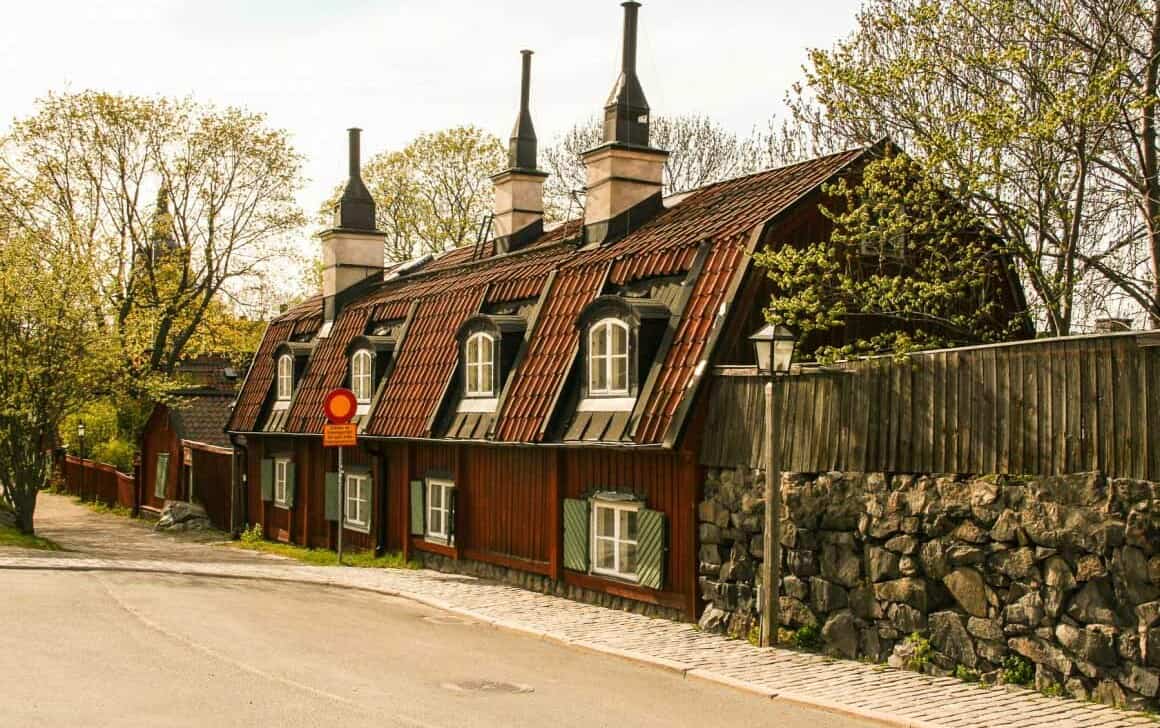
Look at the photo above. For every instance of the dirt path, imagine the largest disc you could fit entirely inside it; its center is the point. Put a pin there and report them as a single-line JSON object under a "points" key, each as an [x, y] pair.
{"points": [[85, 533]]}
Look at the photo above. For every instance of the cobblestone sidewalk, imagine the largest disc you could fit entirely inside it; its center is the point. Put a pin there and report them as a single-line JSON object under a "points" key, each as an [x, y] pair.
{"points": [[868, 691]]}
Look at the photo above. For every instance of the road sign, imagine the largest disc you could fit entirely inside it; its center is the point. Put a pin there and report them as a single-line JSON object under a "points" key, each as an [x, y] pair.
{"points": [[344, 435], [340, 406]]}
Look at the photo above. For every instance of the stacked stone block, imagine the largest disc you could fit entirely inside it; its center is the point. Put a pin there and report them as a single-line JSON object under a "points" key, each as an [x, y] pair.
{"points": [[1063, 571]]}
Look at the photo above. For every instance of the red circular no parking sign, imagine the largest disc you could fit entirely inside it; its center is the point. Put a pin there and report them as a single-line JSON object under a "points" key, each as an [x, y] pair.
{"points": [[340, 406]]}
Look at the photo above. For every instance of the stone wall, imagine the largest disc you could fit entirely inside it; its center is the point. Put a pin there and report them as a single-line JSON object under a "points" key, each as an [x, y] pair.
{"points": [[1063, 571]]}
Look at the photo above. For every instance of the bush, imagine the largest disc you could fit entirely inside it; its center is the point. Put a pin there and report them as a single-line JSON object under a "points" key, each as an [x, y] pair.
{"points": [[1017, 670], [253, 534], [116, 452], [966, 674], [922, 651], [808, 637]]}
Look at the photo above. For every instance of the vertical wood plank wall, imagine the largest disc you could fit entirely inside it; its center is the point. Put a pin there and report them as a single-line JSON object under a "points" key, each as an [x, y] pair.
{"points": [[508, 499], [1033, 408]]}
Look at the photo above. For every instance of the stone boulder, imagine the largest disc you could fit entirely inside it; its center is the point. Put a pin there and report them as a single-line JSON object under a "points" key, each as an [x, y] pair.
{"points": [[1090, 645], [881, 564], [826, 596], [950, 637], [908, 590], [1092, 605], [840, 635], [841, 565], [1042, 653], [967, 587]]}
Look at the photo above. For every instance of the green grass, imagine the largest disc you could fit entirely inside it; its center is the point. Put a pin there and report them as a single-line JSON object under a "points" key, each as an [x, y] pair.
{"points": [[13, 537], [326, 557], [99, 507]]}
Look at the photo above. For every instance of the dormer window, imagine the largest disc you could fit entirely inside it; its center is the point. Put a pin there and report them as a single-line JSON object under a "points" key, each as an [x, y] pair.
{"points": [[369, 358], [619, 337], [608, 358], [488, 344], [285, 377], [479, 365], [362, 375]]}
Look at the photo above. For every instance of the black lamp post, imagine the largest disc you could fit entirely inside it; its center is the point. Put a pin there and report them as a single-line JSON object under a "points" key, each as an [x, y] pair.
{"points": [[81, 437], [774, 346]]}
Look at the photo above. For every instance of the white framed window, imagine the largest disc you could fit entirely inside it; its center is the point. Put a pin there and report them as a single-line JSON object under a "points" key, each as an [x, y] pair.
{"points": [[439, 509], [480, 365], [285, 377], [608, 358], [281, 482], [358, 501], [362, 367], [614, 538]]}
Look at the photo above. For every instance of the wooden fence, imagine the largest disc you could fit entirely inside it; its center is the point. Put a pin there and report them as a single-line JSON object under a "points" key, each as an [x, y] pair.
{"points": [[1043, 407], [98, 482]]}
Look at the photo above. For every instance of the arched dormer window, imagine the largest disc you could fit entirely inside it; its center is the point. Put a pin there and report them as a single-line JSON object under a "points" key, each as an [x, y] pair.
{"points": [[285, 378], [608, 359], [619, 336], [479, 365], [362, 375]]}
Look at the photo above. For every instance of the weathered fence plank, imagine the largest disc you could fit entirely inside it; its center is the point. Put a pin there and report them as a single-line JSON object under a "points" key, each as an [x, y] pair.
{"points": [[1042, 407]]}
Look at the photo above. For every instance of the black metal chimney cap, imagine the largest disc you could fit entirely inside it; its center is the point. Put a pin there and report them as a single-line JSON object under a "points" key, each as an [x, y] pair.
{"points": [[356, 208], [626, 113], [522, 144]]}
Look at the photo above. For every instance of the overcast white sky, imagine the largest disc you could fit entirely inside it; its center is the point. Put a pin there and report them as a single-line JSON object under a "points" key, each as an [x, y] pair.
{"points": [[396, 69]]}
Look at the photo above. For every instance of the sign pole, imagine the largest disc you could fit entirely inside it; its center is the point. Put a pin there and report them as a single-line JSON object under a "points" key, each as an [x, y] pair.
{"points": [[340, 407], [341, 503]]}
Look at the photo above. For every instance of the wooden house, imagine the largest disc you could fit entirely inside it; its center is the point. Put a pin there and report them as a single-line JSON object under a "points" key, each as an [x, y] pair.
{"points": [[535, 402], [185, 452]]}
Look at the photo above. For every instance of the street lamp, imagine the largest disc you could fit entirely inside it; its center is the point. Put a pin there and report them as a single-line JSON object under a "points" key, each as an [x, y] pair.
{"points": [[81, 436], [774, 347]]}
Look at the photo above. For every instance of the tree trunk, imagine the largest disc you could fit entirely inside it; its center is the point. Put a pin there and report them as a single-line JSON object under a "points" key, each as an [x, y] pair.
{"points": [[1151, 166], [25, 510]]}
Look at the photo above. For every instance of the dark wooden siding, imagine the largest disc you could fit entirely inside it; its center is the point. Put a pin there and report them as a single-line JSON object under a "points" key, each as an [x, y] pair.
{"points": [[211, 484], [160, 437], [509, 502]]}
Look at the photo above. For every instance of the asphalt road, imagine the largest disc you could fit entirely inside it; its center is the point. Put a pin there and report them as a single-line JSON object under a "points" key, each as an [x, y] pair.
{"points": [[122, 649]]}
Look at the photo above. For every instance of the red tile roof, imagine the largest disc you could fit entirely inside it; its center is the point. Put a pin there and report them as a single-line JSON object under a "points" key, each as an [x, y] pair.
{"points": [[551, 349], [425, 362], [450, 288]]}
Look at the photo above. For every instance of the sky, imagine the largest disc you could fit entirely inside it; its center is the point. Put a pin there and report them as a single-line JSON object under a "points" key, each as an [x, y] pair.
{"points": [[397, 69]]}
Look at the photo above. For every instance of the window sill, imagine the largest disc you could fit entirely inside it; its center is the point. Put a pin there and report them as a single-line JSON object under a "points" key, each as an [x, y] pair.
{"points": [[606, 404], [632, 580], [357, 528], [281, 404], [283, 506], [477, 404]]}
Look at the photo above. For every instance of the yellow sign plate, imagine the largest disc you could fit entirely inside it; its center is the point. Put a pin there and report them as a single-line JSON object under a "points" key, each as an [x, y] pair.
{"points": [[339, 435]]}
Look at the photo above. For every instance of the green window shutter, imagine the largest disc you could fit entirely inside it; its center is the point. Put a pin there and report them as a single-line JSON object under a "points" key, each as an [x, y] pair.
{"points": [[291, 484], [418, 508], [650, 548], [576, 524], [370, 506], [267, 479], [332, 496]]}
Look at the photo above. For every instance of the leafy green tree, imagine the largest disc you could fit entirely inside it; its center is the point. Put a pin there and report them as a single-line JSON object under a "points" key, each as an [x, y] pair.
{"points": [[432, 195], [1019, 107], [183, 206], [53, 355], [906, 267]]}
